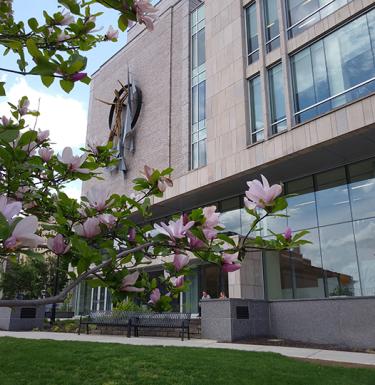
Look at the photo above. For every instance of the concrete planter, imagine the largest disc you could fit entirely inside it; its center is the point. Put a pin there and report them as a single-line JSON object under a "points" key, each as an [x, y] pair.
{"points": [[22, 318], [340, 321]]}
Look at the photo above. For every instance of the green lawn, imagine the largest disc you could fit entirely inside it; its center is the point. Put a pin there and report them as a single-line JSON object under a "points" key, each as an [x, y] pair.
{"points": [[30, 362]]}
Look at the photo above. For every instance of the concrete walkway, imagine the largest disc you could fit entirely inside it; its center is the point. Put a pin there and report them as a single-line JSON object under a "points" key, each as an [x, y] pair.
{"points": [[311, 354]]}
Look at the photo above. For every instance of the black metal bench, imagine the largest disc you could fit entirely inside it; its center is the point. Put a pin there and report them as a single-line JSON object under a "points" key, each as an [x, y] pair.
{"points": [[162, 320], [108, 318]]}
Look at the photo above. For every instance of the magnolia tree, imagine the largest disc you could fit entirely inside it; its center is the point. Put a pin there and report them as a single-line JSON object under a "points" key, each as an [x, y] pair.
{"points": [[100, 236]]}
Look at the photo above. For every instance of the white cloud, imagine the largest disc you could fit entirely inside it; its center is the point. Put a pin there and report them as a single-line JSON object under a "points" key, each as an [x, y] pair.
{"points": [[73, 189], [64, 116]]}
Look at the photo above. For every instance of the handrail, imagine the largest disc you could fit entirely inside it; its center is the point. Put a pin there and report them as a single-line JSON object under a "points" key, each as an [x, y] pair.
{"points": [[309, 15], [335, 96]]}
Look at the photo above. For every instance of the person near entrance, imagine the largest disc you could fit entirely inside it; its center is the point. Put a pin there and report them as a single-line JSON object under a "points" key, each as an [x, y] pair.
{"points": [[205, 296], [222, 295]]}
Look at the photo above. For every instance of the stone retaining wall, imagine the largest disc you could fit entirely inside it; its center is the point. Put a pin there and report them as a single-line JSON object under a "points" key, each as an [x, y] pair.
{"points": [[342, 321]]}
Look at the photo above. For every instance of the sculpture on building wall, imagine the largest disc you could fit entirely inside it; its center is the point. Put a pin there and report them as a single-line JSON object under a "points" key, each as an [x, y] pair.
{"points": [[123, 116]]}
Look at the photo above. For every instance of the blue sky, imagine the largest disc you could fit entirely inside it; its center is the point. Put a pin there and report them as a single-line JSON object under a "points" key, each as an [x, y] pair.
{"points": [[65, 115]]}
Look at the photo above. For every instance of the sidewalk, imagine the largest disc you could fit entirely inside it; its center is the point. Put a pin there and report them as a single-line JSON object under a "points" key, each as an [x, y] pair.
{"points": [[311, 354]]}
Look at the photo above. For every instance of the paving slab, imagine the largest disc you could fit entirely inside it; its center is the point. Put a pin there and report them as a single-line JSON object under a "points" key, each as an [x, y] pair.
{"points": [[311, 354]]}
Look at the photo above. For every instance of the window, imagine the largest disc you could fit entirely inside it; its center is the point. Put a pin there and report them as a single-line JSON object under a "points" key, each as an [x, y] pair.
{"points": [[277, 101], [100, 299], [252, 34], [336, 70], [198, 92], [302, 14], [256, 110], [271, 22]]}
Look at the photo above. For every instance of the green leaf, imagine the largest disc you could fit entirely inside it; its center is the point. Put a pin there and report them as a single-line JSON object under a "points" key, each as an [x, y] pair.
{"points": [[33, 49], [26, 138], [2, 89], [47, 80], [66, 85], [9, 135], [226, 239], [71, 5], [123, 23], [33, 24]]}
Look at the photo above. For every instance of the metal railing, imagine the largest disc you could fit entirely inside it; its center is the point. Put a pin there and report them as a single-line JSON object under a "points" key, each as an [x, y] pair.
{"points": [[334, 96], [309, 15]]}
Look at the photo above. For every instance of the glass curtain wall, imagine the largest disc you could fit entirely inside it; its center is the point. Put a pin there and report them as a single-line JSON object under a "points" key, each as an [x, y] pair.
{"points": [[338, 208], [271, 25], [252, 33], [256, 110], [336, 70], [277, 100], [198, 91], [302, 14]]}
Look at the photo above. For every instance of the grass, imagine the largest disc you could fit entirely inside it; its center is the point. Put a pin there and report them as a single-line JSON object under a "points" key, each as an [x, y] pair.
{"points": [[43, 362]]}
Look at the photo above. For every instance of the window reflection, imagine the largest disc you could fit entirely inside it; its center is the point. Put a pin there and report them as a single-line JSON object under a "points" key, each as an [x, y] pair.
{"points": [[307, 268], [277, 101], [362, 189], [252, 33], [301, 208], [303, 14], [335, 70], [231, 215], [256, 110], [339, 259], [332, 197], [365, 237], [271, 20]]}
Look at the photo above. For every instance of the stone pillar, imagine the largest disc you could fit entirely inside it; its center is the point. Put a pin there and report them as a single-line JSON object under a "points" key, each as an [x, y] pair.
{"points": [[248, 281]]}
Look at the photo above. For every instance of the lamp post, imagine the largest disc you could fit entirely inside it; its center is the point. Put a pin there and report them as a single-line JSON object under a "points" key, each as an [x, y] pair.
{"points": [[55, 290]]}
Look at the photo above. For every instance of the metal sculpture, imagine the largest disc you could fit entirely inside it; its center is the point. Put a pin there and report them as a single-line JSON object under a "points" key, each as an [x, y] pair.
{"points": [[123, 116]]}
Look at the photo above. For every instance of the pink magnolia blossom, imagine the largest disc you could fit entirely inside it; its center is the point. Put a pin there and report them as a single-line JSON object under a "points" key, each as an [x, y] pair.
{"points": [[30, 148], [194, 242], [261, 194], [111, 34], [148, 171], [21, 191], [174, 229], [164, 182], [211, 221], [288, 234], [144, 12], [211, 217], [24, 234], [155, 296], [42, 136], [73, 161], [177, 282], [132, 234], [93, 144], [98, 198], [45, 153], [108, 220], [229, 264], [129, 281], [89, 229], [58, 245], [68, 18], [24, 108], [180, 261], [77, 76], [9, 209], [5, 121], [61, 37]]}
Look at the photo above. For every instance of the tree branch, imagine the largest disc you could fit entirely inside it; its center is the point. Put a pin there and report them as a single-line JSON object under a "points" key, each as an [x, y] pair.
{"points": [[61, 296], [23, 73]]}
